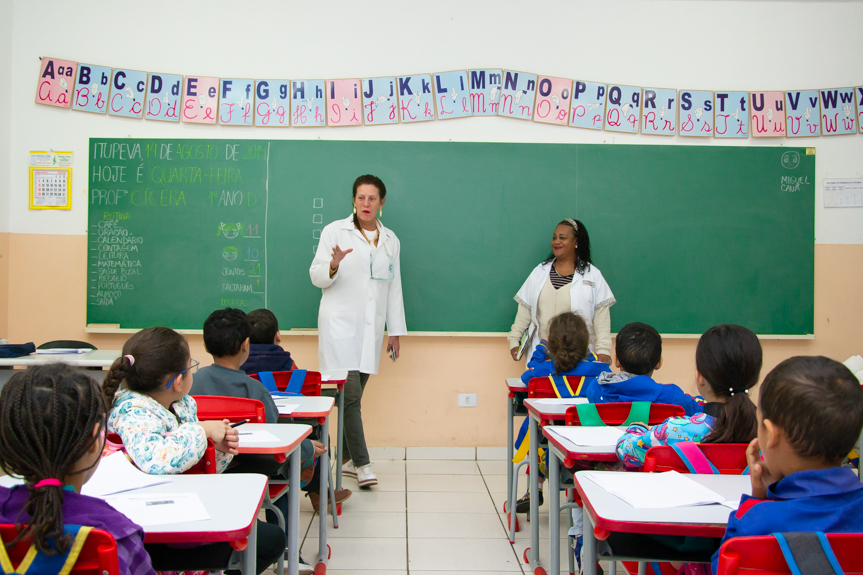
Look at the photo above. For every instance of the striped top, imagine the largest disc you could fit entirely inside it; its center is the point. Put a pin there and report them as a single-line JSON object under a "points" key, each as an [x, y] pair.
{"points": [[557, 280]]}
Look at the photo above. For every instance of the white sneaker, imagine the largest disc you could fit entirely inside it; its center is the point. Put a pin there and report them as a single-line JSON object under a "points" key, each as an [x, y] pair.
{"points": [[366, 476], [305, 568], [348, 470]]}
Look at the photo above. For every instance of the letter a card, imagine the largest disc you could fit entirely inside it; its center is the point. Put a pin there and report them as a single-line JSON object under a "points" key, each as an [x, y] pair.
{"points": [[416, 101], [91, 89], [380, 101], [163, 97], [200, 99], [452, 96], [731, 114], [802, 113], [344, 102], [128, 92], [485, 91], [517, 95], [552, 100], [767, 113], [588, 104], [695, 113], [838, 116], [56, 82]]}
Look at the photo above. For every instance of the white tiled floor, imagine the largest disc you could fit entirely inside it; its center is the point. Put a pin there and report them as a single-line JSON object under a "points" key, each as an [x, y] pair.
{"points": [[427, 517]]}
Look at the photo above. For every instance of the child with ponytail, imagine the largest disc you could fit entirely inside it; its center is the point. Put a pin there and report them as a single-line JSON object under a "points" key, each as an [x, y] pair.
{"points": [[52, 432], [157, 420], [727, 364]]}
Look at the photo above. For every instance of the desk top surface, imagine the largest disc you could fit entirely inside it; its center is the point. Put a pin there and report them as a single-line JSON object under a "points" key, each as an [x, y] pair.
{"points": [[289, 436], [609, 512], [93, 358], [309, 406], [551, 408], [515, 384], [572, 450]]}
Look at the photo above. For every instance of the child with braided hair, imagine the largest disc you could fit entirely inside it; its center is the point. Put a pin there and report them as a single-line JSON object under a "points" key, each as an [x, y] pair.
{"points": [[52, 432]]}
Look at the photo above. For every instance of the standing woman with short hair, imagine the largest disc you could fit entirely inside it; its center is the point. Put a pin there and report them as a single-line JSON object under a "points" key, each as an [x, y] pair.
{"points": [[357, 267]]}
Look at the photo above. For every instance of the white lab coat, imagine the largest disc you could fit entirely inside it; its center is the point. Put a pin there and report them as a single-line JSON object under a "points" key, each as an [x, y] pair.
{"points": [[355, 307]]}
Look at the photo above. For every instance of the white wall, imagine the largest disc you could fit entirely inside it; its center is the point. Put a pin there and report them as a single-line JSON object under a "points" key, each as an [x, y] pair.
{"points": [[685, 44], [5, 107]]}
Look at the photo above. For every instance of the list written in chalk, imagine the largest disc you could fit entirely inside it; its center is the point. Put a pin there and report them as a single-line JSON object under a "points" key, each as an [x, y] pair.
{"points": [[843, 193]]}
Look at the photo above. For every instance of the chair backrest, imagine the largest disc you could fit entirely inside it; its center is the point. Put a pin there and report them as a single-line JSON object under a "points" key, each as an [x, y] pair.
{"points": [[540, 388], [205, 466], [763, 555], [235, 409], [66, 343], [616, 413], [98, 556], [311, 386], [727, 458]]}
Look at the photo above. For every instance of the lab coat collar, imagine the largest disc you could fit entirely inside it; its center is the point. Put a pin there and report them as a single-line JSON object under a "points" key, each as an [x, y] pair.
{"points": [[812, 482]]}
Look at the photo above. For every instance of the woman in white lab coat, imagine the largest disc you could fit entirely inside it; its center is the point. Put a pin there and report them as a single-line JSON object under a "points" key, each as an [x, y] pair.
{"points": [[357, 267]]}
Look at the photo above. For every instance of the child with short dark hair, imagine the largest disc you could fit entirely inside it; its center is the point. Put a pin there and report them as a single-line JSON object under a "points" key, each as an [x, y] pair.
{"points": [[265, 351], [810, 413], [52, 432], [638, 353]]}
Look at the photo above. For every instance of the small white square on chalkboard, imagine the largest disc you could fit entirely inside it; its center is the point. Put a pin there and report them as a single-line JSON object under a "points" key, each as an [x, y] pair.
{"points": [[318, 219], [315, 249], [316, 234], [318, 203], [843, 193]]}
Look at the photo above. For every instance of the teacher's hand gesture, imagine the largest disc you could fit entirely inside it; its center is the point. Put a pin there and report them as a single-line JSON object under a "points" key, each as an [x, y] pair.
{"points": [[338, 256]]}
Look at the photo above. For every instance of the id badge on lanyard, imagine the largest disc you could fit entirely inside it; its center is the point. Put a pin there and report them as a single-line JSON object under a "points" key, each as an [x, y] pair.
{"points": [[381, 264]]}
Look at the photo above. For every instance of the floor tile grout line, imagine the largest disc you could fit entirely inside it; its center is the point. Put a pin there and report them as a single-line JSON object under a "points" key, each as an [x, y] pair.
{"points": [[505, 528], [407, 532]]}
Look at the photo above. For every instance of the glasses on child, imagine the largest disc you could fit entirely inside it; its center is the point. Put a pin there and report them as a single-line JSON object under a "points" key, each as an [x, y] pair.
{"points": [[194, 366]]}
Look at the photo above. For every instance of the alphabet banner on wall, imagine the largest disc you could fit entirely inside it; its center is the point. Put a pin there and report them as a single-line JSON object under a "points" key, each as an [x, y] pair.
{"points": [[308, 106], [235, 102], [552, 100], [273, 103], [128, 91], [380, 101], [452, 95], [731, 116], [484, 91], [91, 89], [517, 95], [344, 102], [588, 104], [802, 113], [768, 114], [56, 82], [623, 111], [163, 97], [416, 101], [660, 112], [200, 99], [837, 112], [859, 92], [696, 113]]}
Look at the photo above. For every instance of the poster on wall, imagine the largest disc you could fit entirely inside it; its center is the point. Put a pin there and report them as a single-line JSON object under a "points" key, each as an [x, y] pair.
{"points": [[91, 89], [623, 109], [517, 95], [50, 188], [802, 113], [731, 114], [128, 92], [767, 113], [416, 101], [308, 105], [838, 116], [380, 101], [588, 104], [344, 102], [660, 112], [163, 97], [485, 91], [273, 103], [452, 96], [200, 100], [56, 82], [859, 92], [695, 113], [235, 102], [552, 100]]}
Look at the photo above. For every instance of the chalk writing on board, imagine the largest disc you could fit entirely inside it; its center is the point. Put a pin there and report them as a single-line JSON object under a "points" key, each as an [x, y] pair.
{"points": [[114, 262], [793, 183]]}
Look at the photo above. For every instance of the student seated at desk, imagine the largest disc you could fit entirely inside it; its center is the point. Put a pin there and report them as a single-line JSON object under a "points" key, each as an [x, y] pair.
{"points": [[727, 365], [158, 420], [52, 433], [265, 351], [810, 412], [638, 353], [226, 337]]}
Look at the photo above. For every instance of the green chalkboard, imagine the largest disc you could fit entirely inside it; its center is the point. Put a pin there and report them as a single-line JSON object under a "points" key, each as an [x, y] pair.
{"points": [[687, 236]]}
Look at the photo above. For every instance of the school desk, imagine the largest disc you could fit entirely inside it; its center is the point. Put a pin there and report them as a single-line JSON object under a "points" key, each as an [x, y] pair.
{"points": [[232, 502], [563, 449], [605, 513], [513, 385], [539, 412], [337, 378], [100, 358], [288, 439]]}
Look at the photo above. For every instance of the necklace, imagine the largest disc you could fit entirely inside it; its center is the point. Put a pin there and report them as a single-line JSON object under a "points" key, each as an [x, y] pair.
{"points": [[365, 237]]}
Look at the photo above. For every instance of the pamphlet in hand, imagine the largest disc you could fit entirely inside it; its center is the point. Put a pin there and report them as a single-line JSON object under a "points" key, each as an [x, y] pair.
{"points": [[525, 340]]}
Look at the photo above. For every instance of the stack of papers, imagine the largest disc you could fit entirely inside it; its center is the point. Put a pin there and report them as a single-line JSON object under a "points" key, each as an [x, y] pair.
{"points": [[590, 436], [159, 508], [287, 408], [58, 350], [116, 474], [562, 401], [669, 489], [256, 436]]}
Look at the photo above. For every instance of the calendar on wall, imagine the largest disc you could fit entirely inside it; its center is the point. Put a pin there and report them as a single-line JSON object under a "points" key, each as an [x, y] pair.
{"points": [[50, 188]]}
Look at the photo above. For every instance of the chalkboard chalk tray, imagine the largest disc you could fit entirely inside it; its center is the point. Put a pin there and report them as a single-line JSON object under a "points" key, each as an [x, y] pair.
{"points": [[686, 236]]}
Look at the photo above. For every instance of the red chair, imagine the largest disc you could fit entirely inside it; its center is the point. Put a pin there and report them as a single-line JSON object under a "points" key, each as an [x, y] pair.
{"points": [[206, 465], [540, 388], [311, 385], [217, 407], [616, 413], [728, 458], [98, 555], [762, 555]]}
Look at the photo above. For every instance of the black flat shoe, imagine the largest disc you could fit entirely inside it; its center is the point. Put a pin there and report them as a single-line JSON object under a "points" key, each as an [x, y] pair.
{"points": [[523, 504]]}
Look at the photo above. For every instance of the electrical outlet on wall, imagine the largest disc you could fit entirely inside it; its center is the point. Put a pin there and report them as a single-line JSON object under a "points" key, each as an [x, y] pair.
{"points": [[467, 400]]}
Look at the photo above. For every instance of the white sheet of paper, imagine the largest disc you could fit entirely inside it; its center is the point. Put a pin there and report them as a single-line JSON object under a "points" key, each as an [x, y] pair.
{"points": [[326, 377], [843, 192], [733, 505], [116, 474], [287, 408], [566, 401], [590, 436], [160, 508], [669, 489], [256, 436], [58, 350]]}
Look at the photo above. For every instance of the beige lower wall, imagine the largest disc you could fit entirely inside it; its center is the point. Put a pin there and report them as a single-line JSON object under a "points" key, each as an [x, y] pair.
{"points": [[412, 402]]}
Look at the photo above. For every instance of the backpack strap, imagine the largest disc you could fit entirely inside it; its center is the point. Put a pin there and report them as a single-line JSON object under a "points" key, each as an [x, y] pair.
{"points": [[268, 380], [808, 553], [588, 416], [561, 387], [41, 564], [295, 385], [694, 458], [638, 413]]}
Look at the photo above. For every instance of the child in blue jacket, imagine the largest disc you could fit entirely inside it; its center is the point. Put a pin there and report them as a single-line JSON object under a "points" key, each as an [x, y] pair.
{"points": [[638, 353], [810, 412]]}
